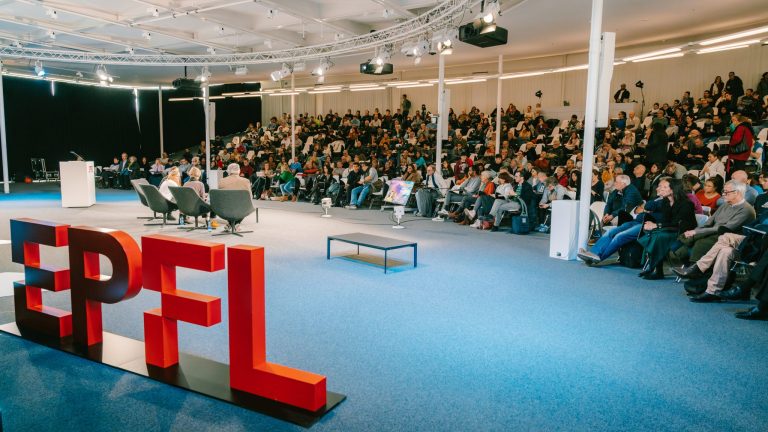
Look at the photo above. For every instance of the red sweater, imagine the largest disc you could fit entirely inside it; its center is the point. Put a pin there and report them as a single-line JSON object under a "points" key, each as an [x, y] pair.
{"points": [[744, 132]]}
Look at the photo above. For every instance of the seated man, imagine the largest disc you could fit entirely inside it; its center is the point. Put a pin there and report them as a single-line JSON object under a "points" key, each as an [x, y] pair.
{"points": [[233, 179], [469, 187], [357, 197], [427, 196], [510, 202], [730, 217], [624, 197]]}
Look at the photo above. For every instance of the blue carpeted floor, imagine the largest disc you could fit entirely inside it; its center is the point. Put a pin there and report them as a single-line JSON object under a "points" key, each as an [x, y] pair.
{"points": [[488, 333]]}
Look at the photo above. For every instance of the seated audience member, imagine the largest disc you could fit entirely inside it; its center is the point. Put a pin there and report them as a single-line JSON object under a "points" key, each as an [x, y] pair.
{"points": [[233, 179], [666, 212], [457, 194], [598, 187], [729, 217], [434, 188], [757, 279], [360, 192], [110, 174], [661, 236], [484, 196], [624, 198], [262, 181], [322, 185], [710, 193], [508, 199], [354, 177], [713, 167]]}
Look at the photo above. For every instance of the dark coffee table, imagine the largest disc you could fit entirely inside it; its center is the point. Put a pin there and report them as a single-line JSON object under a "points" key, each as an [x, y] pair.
{"points": [[374, 242]]}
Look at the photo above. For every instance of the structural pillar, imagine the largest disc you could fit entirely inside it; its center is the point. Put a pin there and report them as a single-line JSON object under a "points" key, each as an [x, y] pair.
{"points": [[207, 107], [441, 111], [590, 121], [160, 109], [498, 104], [293, 118], [3, 141]]}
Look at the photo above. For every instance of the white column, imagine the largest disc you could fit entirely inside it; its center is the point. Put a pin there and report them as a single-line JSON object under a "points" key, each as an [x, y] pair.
{"points": [[498, 104], [207, 108], [293, 118], [590, 117], [3, 140], [441, 111], [160, 108]]}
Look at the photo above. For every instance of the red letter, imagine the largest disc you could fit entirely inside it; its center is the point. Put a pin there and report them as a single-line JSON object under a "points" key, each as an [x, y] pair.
{"points": [[90, 288], [26, 237], [249, 370], [162, 254]]}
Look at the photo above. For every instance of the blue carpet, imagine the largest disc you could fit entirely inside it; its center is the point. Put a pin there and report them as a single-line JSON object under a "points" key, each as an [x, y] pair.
{"points": [[486, 334]]}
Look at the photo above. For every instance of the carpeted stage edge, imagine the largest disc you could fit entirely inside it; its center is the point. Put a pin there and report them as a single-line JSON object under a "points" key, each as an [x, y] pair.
{"points": [[488, 333]]}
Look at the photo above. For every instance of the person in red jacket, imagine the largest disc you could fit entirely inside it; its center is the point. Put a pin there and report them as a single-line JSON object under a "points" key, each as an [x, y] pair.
{"points": [[740, 146]]}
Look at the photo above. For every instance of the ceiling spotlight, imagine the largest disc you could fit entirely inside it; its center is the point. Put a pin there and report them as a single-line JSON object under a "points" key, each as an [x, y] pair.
{"points": [[129, 50], [50, 13], [220, 30], [338, 36], [39, 71], [204, 76], [78, 76], [490, 12], [383, 56], [417, 60], [154, 11], [211, 50], [271, 14], [445, 40], [282, 73], [321, 69], [387, 13], [146, 35], [51, 34], [17, 44], [445, 47], [101, 72]]}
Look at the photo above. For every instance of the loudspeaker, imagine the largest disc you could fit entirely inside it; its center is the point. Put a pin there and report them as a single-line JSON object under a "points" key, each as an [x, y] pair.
{"points": [[564, 236]]}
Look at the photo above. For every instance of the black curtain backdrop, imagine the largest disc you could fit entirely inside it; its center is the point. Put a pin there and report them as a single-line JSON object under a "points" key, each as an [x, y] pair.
{"points": [[100, 123]]}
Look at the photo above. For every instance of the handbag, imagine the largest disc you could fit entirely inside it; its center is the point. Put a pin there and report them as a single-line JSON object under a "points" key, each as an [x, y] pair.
{"points": [[520, 223], [740, 147]]}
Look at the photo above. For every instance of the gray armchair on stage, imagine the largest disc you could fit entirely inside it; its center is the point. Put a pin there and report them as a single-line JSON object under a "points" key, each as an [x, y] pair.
{"points": [[233, 206], [190, 204], [135, 183], [157, 202]]}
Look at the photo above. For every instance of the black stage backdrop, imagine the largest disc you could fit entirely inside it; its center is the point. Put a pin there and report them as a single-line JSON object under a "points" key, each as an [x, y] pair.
{"points": [[100, 123]]}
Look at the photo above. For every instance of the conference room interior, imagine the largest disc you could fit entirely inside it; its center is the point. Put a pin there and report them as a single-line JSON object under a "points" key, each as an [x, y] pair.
{"points": [[480, 327]]}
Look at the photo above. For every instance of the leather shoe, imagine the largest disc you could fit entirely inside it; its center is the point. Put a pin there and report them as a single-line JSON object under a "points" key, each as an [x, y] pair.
{"points": [[693, 289], [653, 276], [752, 314], [706, 298], [737, 292], [690, 272]]}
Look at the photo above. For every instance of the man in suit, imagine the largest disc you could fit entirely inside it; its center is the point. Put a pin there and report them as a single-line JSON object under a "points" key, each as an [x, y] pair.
{"points": [[123, 174], [427, 196], [233, 181]]}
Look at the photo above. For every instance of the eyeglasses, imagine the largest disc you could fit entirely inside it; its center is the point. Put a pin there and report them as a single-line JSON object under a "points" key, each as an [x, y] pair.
{"points": [[728, 192]]}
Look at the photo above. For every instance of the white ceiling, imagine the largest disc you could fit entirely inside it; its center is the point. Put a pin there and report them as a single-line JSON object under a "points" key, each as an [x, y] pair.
{"points": [[537, 28]]}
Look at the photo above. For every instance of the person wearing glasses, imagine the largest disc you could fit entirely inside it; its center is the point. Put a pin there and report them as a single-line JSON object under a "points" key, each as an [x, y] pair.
{"points": [[730, 217]]}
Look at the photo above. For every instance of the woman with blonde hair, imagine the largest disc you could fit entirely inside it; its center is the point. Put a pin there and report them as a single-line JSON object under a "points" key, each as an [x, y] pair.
{"points": [[172, 179]]}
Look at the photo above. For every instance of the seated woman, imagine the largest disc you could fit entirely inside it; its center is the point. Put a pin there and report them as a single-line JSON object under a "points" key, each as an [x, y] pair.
{"points": [[262, 181], [677, 216], [508, 200], [321, 186], [286, 179], [710, 193], [487, 187], [172, 179], [195, 183]]}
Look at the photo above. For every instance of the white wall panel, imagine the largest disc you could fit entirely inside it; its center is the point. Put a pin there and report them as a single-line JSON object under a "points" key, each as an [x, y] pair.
{"points": [[665, 80]]}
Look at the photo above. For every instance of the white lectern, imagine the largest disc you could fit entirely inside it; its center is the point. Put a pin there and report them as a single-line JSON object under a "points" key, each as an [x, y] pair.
{"points": [[215, 178], [564, 235], [78, 184]]}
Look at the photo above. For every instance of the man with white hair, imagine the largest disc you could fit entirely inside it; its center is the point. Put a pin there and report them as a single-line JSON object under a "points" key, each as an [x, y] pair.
{"points": [[730, 217], [624, 197], [720, 256], [233, 179]]}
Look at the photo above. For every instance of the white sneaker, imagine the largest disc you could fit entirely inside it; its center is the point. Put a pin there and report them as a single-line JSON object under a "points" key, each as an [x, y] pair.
{"points": [[476, 224], [350, 207], [443, 212]]}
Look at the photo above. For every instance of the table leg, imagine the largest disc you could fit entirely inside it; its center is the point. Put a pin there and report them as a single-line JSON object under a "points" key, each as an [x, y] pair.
{"points": [[385, 261], [358, 249], [328, 250], [415, 255]]}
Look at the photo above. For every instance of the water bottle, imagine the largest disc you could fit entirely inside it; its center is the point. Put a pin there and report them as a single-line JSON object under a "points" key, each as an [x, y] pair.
{"points": [[181, 219], [208, 225]]}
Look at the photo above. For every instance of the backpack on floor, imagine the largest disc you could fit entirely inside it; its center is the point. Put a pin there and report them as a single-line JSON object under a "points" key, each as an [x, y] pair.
{"points": [[631, 255], [520, 222]]}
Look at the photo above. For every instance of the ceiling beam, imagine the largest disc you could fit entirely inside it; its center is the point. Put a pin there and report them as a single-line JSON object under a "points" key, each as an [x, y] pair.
{"points": [[106, 18], [311, 12], [395, 5], [204, 14], [57, 28]]}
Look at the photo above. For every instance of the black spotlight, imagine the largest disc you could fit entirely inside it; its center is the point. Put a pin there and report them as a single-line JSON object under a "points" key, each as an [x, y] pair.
{"points": [[639, 84], [539, 94]]}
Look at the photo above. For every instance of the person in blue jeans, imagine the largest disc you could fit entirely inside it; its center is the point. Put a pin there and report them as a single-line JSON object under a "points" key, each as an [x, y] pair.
{"points": [[361, 192]]}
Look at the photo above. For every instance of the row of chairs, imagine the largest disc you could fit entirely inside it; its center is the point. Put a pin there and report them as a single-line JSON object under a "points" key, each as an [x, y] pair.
{"points": [[231, 205]]}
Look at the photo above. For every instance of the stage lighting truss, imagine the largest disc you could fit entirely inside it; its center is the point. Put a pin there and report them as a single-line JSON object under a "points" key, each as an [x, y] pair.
{"points": [[434, 20]]}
